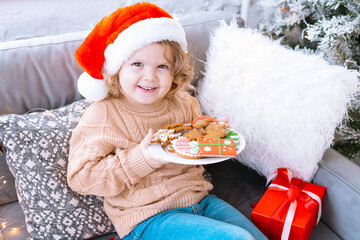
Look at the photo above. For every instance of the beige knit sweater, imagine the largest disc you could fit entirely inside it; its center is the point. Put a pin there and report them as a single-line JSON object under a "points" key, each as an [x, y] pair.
{"points": [[132, 190]]}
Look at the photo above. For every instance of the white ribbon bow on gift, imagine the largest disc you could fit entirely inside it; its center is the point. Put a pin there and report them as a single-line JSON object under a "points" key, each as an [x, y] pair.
{"points": [[293, 193]]}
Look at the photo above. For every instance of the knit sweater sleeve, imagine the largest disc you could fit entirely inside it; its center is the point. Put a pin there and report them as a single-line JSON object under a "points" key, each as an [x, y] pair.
{"points": [[94, 167]]}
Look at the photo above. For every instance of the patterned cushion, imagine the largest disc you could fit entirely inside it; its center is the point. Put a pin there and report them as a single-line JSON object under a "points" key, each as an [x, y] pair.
{"points": [[36, 151]]}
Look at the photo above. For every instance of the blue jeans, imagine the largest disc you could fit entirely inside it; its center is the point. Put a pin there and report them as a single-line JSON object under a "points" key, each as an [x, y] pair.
{"points": [[212, 218]]}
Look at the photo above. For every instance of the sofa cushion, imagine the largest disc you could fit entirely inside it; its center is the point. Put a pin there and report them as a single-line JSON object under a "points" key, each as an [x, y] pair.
{"points": [[37, 146], [39, 72], [286, 103], [341, 209], [199, 27]]}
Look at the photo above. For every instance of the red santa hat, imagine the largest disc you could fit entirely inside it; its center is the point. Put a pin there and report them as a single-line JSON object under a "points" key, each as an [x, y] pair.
{"points": [[116, 37]]}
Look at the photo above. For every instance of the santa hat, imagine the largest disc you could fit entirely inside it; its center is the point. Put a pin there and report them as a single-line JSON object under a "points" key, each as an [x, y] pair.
{"points": [[116, 37]]}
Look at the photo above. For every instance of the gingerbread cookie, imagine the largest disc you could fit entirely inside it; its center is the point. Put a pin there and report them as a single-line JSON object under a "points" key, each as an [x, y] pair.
{"points": [[203, 117], [212, 130], [201, 123], [183, 128], [165, 136], [171, 126], [194, 134], [216, 130]]}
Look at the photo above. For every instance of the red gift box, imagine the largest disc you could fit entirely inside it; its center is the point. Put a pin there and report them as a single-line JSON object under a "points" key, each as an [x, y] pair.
{"points": [[290, 208]]}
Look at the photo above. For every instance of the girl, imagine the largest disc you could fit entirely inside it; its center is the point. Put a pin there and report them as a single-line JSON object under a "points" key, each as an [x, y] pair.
{"points": [[141, 49]]}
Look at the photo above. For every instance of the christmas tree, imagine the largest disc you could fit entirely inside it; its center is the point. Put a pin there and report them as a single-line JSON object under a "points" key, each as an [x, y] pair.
{"points": [[330, 28]]}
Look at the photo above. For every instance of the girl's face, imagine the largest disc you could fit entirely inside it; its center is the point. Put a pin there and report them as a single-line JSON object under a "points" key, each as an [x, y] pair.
{"points": [[146, 77]]}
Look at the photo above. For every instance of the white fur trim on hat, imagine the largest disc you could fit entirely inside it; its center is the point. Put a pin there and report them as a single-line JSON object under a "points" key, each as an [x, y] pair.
{"points": [[139, 35], [91, 88]]}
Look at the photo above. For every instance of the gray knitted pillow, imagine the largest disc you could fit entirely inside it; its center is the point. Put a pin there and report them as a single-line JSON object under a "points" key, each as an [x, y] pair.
{"points": [[37, 147]]}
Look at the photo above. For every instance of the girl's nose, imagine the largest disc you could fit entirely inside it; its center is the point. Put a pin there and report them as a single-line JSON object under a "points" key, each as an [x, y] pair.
{"points": [[149, 74]]}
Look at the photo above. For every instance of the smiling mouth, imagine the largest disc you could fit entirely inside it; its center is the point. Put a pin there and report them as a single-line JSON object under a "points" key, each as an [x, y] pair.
{"points": [[147, 88]]}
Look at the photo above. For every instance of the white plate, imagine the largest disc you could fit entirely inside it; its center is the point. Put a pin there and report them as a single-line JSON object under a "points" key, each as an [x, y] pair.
{"points": [[162, 153]]}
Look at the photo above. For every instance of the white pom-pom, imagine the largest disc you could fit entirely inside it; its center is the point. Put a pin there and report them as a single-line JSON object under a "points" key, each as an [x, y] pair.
{"points": [[91, 88]]}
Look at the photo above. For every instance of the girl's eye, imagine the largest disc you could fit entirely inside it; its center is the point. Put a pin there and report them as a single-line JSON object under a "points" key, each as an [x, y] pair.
{"points": [[163, 66], [137, 64]]}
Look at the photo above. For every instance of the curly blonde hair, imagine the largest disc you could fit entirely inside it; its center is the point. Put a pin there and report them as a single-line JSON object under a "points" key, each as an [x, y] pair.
{"points": [[182, 72]]}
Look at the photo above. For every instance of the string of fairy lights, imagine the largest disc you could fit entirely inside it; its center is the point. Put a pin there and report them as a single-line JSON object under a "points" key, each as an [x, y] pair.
{"points": [[5, 224]]}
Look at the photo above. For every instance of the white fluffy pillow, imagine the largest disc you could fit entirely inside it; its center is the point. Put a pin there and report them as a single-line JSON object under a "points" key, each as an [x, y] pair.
{"points": [[286, 104]]}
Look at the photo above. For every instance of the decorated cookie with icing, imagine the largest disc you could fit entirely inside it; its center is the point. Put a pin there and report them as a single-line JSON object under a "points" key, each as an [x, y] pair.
{"points": [[232, 135], [216, 147], [183, 147], [165, 136]]}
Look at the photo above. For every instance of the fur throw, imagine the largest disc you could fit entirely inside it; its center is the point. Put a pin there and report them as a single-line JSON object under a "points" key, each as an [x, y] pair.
{"points": [[286, 103]]}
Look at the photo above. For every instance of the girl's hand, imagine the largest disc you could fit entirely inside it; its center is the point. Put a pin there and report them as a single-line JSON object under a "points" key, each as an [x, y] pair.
{"points": [[150, 158], [223, 119]]}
